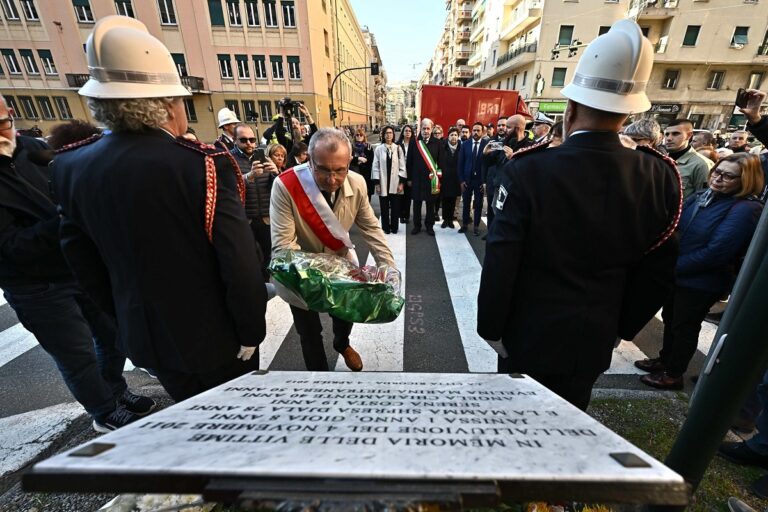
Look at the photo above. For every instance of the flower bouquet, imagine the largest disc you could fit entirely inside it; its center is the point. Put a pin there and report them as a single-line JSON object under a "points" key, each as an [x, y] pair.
{"points": [[331, 284]]}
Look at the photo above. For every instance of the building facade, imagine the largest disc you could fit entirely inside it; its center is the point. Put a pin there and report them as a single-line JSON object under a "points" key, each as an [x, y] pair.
{"points": [[377, 85], [242, 54], [704, 50]]}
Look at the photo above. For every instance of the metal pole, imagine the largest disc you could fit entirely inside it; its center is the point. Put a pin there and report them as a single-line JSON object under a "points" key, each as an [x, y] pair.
{"points": [[334, 83]]}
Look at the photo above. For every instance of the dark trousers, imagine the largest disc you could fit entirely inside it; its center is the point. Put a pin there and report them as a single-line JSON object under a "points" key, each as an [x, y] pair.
{"points": [[390, 212], [682, 315], [263, 238], [576, 389], [182, 385], [438, 200], [429, 220], [78, 336], [405, 203], [490, 192], [311, 336], [449, 209], [474, 189]]}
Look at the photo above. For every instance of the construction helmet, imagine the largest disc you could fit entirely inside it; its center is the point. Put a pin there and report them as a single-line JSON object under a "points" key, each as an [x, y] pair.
{"points": [[613, 71], [226, 117], [126, 61]]}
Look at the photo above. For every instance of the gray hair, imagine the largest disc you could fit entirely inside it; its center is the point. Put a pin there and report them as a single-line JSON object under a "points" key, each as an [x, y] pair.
{"points": [[428, 120], [330, 138], [130, 115], [644, 129]]}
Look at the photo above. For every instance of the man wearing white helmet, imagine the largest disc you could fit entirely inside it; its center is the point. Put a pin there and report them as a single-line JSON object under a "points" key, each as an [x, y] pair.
{"points": [[227, 122], [153, 224], [541, 127], [581, 251]]}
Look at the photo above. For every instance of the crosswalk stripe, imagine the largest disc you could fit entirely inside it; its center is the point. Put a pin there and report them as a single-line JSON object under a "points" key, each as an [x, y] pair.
{"points": [[14, 342], [624, 357], [462, 272]]}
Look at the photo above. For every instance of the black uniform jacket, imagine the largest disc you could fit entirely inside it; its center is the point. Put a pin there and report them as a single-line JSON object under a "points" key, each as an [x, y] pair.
{"points": [[567, 266], [133, 233], [418, 173]]}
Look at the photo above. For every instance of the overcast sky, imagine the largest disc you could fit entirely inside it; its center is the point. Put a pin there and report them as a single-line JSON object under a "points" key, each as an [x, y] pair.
{"points": [[406, 32]]}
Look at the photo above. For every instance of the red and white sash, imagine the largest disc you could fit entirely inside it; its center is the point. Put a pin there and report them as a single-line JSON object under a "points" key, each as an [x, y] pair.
{"points": [[315, 210]]}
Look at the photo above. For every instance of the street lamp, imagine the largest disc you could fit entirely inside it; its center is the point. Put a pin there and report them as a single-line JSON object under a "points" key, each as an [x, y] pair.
{"points": [[374, 67]]}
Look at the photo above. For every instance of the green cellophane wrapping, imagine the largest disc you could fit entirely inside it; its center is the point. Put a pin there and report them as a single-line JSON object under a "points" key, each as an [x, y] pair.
{"points": [[331, 284]]}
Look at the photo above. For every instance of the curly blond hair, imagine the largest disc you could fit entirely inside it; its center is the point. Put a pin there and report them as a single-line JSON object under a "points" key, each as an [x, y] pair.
{"points": [[130, 115]]}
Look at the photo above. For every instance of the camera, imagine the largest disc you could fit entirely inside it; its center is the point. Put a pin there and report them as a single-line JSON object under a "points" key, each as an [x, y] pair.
{"points": [[289, 107]]}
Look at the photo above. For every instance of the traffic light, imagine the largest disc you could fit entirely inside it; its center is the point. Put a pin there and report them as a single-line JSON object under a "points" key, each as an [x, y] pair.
{"points": [[374, 68], [333, 113]]}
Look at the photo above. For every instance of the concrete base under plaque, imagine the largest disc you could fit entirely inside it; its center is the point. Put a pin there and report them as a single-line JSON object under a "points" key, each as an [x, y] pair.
{"points": [[278, 436]]}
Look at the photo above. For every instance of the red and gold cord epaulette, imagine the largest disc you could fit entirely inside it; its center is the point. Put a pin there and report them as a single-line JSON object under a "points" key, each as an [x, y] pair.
{"points": [[531, 149], [210, 152], [672, 225], [89, 140]]}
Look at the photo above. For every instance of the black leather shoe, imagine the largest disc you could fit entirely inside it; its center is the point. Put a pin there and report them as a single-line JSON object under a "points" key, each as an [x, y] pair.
{"points": [[650, 365], [662, 381], [430, 231], [444, 224], [463, 229], [740, 453], [477, 231], [416, 231]]}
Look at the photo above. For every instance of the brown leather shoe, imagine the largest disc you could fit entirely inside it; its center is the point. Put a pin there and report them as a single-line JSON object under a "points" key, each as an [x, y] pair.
{"points": [[650, 365], [352, 359], [661, 380]]}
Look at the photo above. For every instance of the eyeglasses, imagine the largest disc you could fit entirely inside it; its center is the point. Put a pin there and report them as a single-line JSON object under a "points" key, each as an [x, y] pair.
{"points": [[6, 123], [359, 135], [727, 176], [252, 140], [325, 174], [500, 125]]}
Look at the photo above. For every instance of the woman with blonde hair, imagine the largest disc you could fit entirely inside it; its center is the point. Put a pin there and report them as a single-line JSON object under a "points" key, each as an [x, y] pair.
{"points": [[715, 229], [278, 155]]}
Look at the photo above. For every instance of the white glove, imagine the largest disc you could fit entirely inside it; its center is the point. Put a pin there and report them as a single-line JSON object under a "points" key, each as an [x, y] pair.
{"points": [[271, 291], [499, 348], [246, 352]]}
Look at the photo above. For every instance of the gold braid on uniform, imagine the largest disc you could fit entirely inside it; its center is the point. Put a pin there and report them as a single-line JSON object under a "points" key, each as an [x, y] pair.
{"points": [[211, 181], [676, 219], [534, 147], [88, 140]]}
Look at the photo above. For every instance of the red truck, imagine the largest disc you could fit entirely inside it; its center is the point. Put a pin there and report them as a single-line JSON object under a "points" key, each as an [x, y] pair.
{"points": [[445, 105]]}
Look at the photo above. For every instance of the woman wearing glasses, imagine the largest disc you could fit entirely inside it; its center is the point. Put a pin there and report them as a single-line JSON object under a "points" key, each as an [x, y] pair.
{"points": [[715, 230], [362, 159]]}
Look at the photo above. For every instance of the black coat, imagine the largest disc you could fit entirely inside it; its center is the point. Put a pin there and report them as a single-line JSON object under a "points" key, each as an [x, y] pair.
{"points": [[450, 186], [418, 175], [364, 168], [567, 268], [133, 232]]}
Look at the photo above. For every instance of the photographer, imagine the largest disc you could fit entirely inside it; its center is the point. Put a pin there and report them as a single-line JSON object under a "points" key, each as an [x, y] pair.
{"points": [[757, 126], [288, 109]]}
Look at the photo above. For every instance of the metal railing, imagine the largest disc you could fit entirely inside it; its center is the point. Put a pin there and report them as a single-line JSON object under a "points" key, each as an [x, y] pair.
{"points": [[528, 48], [77, 79], [193, 83], [762, 49]]}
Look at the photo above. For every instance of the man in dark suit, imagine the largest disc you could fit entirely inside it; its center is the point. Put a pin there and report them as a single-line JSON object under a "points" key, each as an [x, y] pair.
{"points": [[154, 226], [421, 164], [470, 175], [570, 266]]}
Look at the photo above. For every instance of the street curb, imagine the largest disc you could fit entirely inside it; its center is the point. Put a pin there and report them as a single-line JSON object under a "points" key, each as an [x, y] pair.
{"points": [[637, 394]]}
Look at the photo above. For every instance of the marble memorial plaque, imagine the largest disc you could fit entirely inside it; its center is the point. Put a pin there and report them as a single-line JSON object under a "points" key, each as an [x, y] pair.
{"points": [[398, 426]]}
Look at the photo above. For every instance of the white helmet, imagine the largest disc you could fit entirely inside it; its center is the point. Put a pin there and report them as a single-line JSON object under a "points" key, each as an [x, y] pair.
{"points": [[613, 71], [226, 116], [126, 61]]}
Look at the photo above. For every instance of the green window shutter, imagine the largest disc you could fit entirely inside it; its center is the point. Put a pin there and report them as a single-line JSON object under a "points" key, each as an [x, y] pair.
{"points": [[293, 58], [275, 58], [81, 3], [45, 54], [223, 57], [241, 58], [25, 53], [178, 58], [217, 12], [7, 51]]}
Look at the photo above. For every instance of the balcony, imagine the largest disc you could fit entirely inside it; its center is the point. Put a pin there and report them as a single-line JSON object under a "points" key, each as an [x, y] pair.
{"points": [[462, 52], [475, 58], [762, 50], [479, 7], [477, 33], [652, 9], [516, 52], [77, 80], [661, 46], [463, 35], [464, 14], [193, 83], [464, 72], [529, 12]]}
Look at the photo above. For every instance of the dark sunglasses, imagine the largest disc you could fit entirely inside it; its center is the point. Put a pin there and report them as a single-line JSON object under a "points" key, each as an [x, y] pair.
{"points": [[252, 140]]}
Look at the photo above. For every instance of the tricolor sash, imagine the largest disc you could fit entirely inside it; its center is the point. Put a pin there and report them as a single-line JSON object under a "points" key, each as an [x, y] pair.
{"points": [[315, 210], [434, 171]]}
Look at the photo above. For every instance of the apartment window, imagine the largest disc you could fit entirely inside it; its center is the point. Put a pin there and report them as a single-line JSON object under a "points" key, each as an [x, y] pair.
{"points": [[249, 110], [9, 9], [645, 31], [13, 107], [124, 8], [10, 62], [327, 48], [189, 107], [277, 66], [216, 13], [181, 63], [270, 13], [243, 71], [62, 105], [225, 66], [30, 11], [29, 62], [755, 79], [234, 106], [691, 35], [294, 68], [252, 13], [558, 77], [507, 82], [260, 67], [45, 107], [167, 12], [28, 107], [289, 13], [566, 35], [603, 29], [671, 76], [514, 81], [525, 78], [265, 110], [83, 11], [233, 11], [739, 36], [715, 80]]}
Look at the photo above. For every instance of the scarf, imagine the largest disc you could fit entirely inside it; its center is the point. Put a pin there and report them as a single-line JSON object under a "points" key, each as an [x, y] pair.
{"points": [[358, 148]]}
